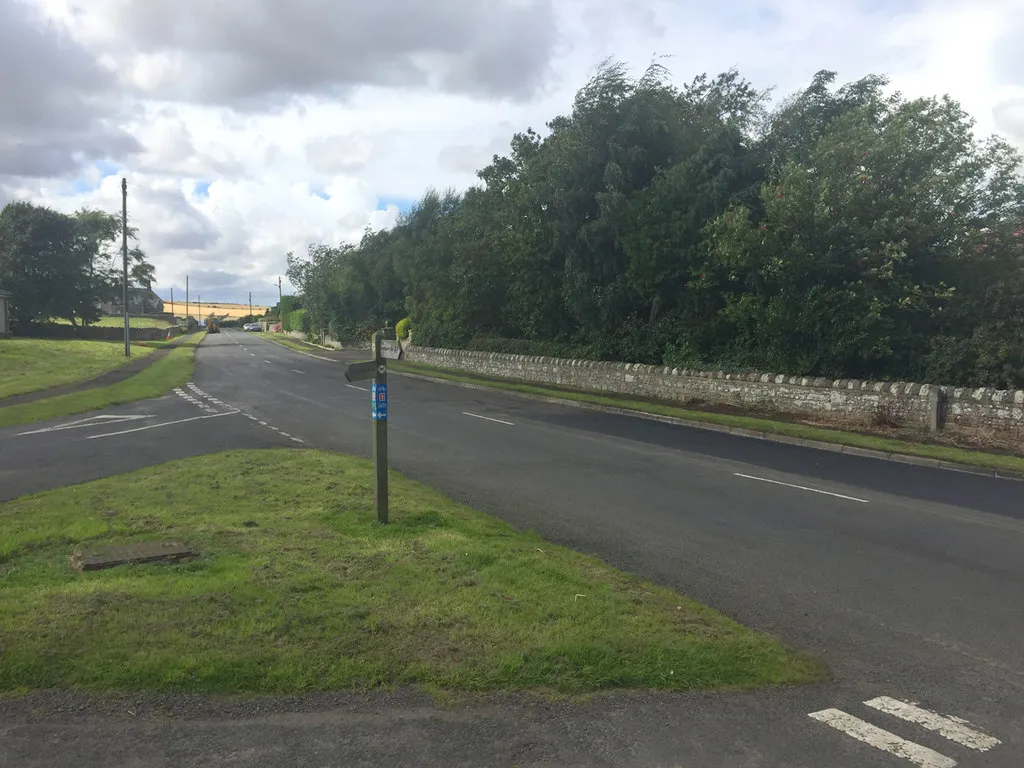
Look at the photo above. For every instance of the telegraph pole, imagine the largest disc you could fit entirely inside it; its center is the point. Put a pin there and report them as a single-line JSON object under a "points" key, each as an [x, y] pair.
{"points": [[124, 256], [250, 306], [172, 304], [199, 312], [186, 303], [279, 296]]}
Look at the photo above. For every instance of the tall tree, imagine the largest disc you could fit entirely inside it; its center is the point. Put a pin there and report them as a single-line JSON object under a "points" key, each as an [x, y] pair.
{"points": [[44, 262]]}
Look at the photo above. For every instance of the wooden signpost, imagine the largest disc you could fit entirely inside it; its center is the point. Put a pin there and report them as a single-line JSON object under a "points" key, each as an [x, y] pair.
{"points": [[377, 370]]}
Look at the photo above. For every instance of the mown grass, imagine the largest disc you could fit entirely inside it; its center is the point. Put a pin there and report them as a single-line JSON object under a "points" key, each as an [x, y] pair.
{"points": [[161, 377], [298, 588], [118, 322], [189, 340], [288, 341], [30, 365], [964, 456]]}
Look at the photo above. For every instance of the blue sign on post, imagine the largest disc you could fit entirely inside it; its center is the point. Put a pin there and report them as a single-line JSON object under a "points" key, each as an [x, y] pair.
{"points": [[379, 409]]}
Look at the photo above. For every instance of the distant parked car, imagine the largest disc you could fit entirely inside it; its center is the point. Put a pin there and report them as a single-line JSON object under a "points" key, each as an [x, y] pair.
{"points": [[251, 327]]}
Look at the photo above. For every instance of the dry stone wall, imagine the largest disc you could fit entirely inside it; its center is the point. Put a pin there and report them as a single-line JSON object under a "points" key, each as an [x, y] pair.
{"points": [[842, 401]]}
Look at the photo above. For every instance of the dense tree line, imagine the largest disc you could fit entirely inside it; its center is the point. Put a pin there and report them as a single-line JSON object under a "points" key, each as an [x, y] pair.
{"points": [[64, 266], [846, 232]]}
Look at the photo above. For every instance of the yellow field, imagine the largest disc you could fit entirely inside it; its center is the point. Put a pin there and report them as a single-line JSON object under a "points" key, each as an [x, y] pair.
{"points": [[217, 309]]}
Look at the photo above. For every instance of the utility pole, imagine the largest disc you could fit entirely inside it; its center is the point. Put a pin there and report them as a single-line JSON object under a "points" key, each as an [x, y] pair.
{"points": [[279, 296], [124, 255], [199, 312], [250, 306], [172, 304], [186, 303]]}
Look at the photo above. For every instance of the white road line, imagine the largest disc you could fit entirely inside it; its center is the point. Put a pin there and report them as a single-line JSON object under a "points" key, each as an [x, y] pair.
{"points": [[881, 739], [262, 423], [250, 416], [353, 386], [252, 354], [487, 418], [92, 421], [284, 434], [295, 370], [953, 729], [268, 362], [163, 424], [307, 354], [802, 488], [297, 440]]}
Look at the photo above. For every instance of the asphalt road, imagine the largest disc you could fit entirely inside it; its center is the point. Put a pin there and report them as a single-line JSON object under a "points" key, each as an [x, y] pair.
{"points": [[909, 581]]}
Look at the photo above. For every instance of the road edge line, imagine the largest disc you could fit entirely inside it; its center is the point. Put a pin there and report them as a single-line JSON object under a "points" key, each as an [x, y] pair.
{"points": [[1003, 474]]}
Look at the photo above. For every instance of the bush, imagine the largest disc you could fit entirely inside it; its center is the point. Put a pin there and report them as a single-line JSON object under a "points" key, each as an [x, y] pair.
{"points": [[297, 321], [403, 327]]}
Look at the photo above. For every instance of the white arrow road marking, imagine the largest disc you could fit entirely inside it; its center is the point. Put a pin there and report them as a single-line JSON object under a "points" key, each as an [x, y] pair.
{"points": [[952, 728], [801, 487], [162, 424], [92, 421], [881, 739]]}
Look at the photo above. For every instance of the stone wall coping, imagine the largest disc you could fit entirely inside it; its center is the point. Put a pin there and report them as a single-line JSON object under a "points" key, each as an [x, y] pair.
{"points": [[980, 395]]}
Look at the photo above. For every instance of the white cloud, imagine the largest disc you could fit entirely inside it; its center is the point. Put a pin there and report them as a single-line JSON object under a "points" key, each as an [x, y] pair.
{"points": [[234, 122]]}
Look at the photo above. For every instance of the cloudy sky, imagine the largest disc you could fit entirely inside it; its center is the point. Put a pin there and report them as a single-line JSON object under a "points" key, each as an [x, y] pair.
{"points": [[248, 129]]}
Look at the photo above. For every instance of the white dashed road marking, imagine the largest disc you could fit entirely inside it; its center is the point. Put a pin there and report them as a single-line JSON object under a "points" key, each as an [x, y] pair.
{"points": [[202, 404], [294, 370], [951, 728], [882, 739], [801, 487], [487, 418], [268, 362], [353, 386]]}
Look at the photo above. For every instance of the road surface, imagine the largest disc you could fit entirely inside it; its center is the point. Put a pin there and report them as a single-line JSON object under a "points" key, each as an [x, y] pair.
{"points": [[909, 581]]}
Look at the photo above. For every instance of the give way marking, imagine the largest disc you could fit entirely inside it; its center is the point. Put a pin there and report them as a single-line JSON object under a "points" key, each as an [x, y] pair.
{"points": [[952, 728], [92, 421]]}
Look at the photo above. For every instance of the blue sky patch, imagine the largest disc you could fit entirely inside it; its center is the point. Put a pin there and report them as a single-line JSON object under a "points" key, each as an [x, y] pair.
{"points": [[403, 204], [202, 190], [321, 193], [107, 168]]}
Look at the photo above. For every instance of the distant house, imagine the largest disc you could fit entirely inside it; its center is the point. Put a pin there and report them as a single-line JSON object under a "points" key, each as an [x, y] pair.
{"points": [[141, 301], [5, 325]]}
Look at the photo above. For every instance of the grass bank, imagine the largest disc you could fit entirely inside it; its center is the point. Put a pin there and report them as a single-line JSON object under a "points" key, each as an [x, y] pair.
{"points": [[288, 341], [172, 371], [30, 365], [298, 588], [189, 340], [981, 459]]}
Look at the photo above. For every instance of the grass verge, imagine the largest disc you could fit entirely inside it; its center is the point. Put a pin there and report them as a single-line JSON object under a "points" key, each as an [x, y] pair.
{"points": [[30, 365], [953, 454], [288, 341], [172, 371], [298, 588], [190, 340]]}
